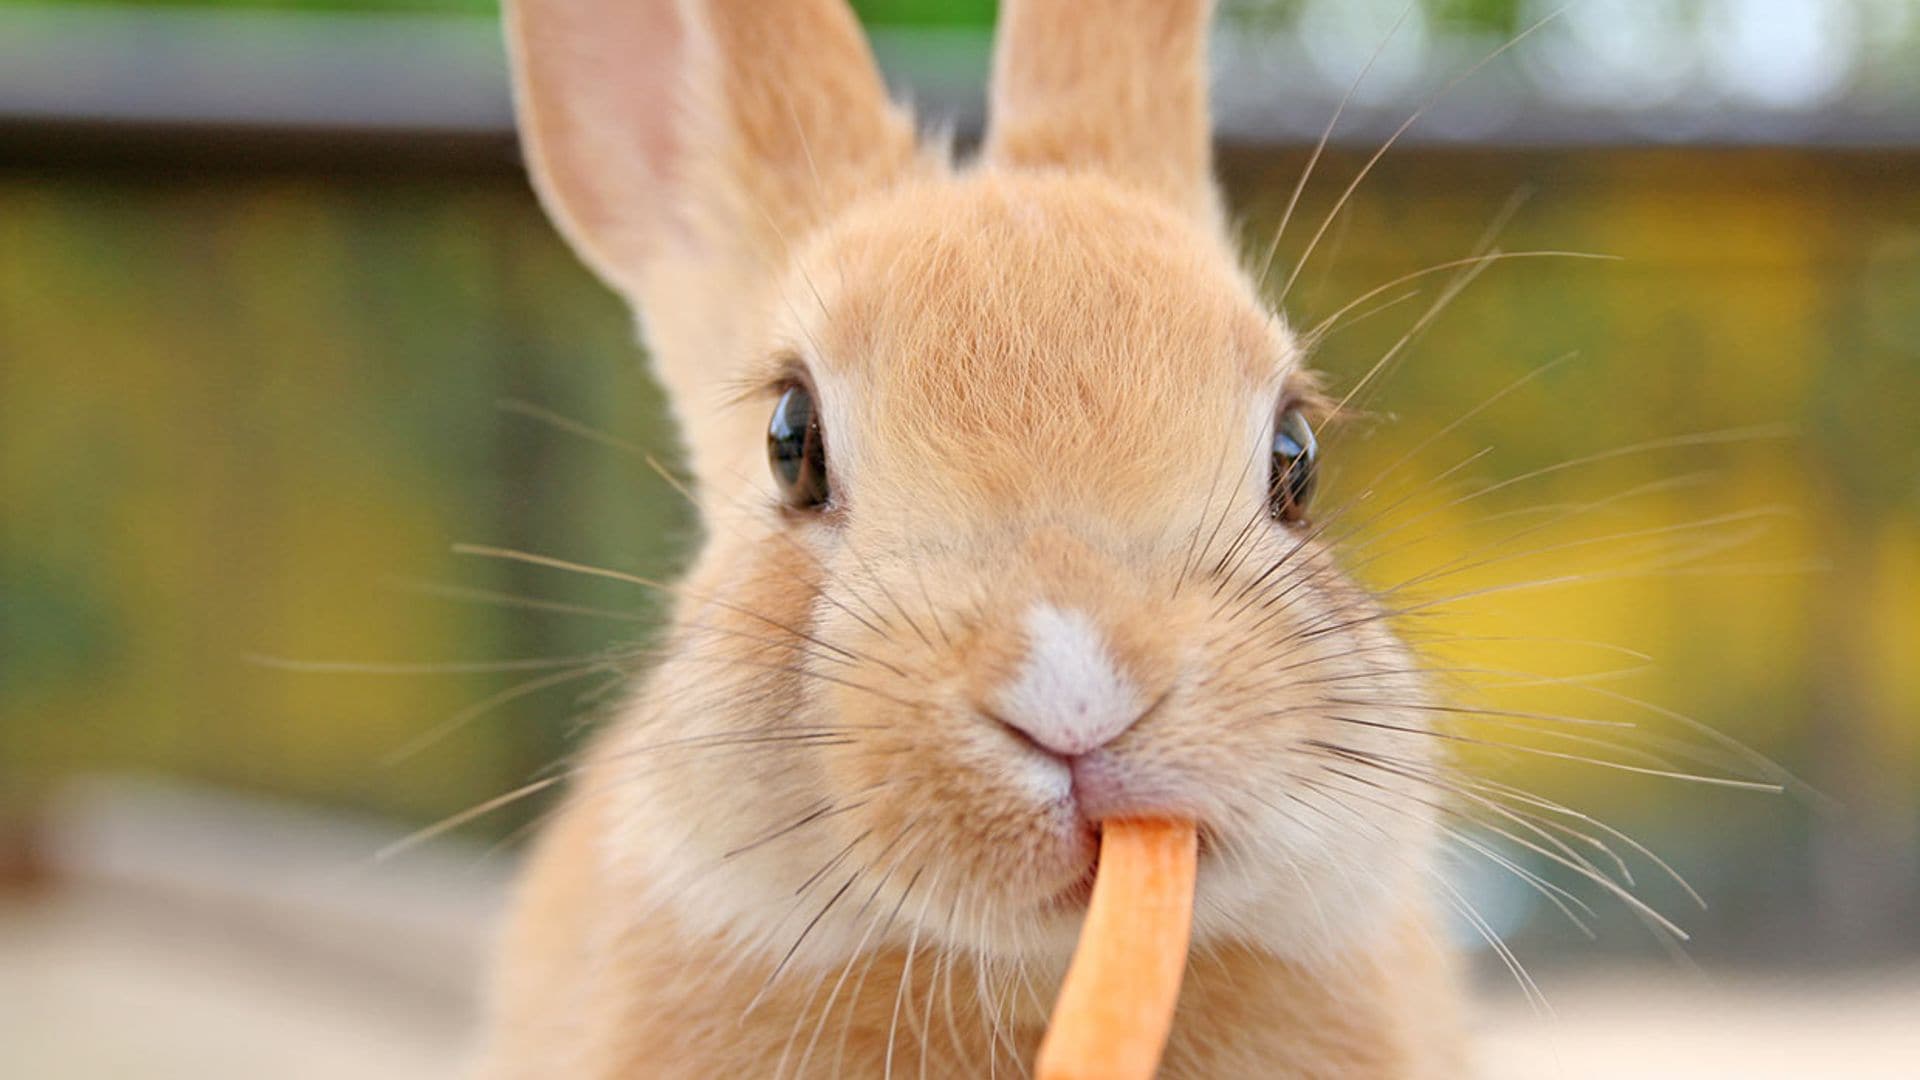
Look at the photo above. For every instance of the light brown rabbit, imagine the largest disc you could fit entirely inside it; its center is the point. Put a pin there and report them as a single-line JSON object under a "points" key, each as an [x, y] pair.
{"points": [[1033, 551]]}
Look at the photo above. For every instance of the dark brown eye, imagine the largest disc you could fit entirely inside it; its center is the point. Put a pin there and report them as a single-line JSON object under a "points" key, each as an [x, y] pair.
{"points": [[796, 450], [1295, 462]]}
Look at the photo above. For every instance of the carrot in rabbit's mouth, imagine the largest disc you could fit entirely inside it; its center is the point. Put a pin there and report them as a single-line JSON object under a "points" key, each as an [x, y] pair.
{"points": [[1116, 1006]]}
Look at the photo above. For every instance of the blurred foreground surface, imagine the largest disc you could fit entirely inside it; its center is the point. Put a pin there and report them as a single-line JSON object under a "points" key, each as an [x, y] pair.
{"points": [[168, 948]]}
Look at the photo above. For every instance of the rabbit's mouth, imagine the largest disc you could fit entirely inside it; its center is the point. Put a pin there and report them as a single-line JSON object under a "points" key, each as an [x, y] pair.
{"points": [[1077, 895], [1108, 784]]}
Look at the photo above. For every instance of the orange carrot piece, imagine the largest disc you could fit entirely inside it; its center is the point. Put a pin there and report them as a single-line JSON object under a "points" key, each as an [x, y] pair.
{"points": [[1116, 1007]]}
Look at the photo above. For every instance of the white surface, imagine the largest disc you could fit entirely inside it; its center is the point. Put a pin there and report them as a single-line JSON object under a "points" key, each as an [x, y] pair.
{"points": [[1667, 1024], [203, 937], [91, 988]]}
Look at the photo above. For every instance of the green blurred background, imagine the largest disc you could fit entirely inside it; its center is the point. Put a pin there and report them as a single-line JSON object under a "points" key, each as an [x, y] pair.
{"points": [[256, 381]]}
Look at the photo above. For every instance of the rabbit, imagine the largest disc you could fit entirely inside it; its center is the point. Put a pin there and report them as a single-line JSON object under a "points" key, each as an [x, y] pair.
{"points": [[1007, 473]]}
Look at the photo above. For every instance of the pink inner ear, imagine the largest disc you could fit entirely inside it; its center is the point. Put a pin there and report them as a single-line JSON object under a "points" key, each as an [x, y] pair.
{"points": [[658, 83], [601, 87]]}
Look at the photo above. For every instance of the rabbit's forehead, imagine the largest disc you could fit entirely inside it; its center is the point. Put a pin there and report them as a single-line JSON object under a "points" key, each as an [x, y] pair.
{"points": [[1024, 277], [1016, 339]]}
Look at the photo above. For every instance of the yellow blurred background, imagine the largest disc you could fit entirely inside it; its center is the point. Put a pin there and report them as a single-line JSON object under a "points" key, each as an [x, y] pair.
{"points": [[258, 378]]}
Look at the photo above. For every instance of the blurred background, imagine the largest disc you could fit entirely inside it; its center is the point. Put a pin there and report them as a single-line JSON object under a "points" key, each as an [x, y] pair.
{"points": [[280, 324]]}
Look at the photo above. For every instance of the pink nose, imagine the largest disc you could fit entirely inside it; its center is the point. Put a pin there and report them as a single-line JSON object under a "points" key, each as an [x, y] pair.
{"points": [[1072, 735], [1105, 785], [1068, 696]]}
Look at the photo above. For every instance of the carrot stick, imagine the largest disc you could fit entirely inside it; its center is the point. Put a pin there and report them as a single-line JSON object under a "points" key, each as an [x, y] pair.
{"points": [[1116, 1007]]}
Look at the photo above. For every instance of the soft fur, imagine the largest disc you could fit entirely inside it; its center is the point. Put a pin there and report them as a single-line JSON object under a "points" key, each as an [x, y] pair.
{"points": [[806, 847]]}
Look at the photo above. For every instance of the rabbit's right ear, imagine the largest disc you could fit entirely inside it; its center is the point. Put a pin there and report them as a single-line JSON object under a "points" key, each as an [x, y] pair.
{"points": [[1115, 86], [682, 145]]}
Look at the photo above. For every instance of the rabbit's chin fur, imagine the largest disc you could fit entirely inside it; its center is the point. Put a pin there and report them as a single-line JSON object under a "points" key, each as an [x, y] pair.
{"points": [[847, 825]]}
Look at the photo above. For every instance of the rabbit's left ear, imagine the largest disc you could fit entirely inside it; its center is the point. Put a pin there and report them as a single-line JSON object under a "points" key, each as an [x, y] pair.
{"points": [[659, 131], [682, 147], [1113, 86]]}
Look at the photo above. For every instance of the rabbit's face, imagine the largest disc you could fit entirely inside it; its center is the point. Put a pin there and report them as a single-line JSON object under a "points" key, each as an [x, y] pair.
{"points": [[1034, 550], [1046, 571]]}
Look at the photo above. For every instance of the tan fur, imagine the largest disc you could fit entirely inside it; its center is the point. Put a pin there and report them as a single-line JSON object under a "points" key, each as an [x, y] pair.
{"points": [[649, 1003], [1119, 87], [805, 847]]}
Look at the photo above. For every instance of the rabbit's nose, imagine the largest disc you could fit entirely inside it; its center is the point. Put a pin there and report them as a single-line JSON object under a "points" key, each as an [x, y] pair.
{"points": [[1069, 695]]}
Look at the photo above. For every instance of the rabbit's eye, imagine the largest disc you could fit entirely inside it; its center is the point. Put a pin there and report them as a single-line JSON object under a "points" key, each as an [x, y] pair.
{"points": [[796, 451], [1295, 461]]}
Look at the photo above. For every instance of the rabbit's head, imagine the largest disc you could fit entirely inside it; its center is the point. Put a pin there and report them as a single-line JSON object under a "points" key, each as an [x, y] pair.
{"points": [[1007, 471]]}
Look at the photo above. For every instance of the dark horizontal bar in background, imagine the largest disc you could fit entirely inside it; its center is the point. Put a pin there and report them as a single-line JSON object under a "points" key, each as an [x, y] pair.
{"points": [[105, 84]]}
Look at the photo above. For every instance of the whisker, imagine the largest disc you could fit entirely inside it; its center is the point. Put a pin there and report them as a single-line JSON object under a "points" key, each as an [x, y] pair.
{"points": [[1413, 453], [1310, 346], [853, 956], [901, 995], [821, 814], [528, 409], [552, 563], [793, 949], [1323, 329], [454, 821], [1539, 824], [1712, 781], [1320, 146], [524, 603], [468, 715], [1347, 194], [1552, 515], [840, 1051], [1536, 999], [1457, 566], [1258, 582], [1508, 791], [799, 549], [457, 667], [1619, 892], [1430, 777]]}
